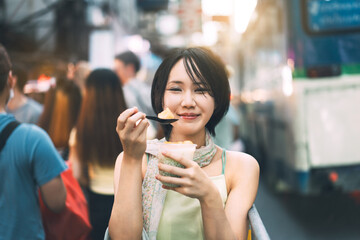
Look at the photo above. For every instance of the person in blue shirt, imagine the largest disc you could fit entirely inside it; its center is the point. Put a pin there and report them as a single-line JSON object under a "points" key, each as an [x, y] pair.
{"points": [[28, 162]]}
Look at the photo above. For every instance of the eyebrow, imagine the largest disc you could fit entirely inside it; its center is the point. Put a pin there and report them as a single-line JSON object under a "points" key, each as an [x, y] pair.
{"points": [[181, 82], [176, 81]]}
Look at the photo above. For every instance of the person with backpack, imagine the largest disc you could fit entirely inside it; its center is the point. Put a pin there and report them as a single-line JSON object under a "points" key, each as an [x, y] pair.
{"points": [[28, 162]]}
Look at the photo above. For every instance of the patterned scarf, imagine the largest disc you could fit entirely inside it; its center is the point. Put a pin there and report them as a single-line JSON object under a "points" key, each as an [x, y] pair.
{"points": [[153, 195]]}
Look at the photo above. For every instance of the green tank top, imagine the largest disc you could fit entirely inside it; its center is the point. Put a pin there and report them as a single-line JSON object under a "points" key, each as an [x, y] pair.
{"points": [[181, 217]]}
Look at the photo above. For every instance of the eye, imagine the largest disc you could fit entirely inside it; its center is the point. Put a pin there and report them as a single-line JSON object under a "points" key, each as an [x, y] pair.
{"points": [[202, 90], [174, 89]]}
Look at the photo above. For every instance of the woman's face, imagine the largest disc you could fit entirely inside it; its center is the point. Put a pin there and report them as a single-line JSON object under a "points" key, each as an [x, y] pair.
{"points": [[189, 102]]}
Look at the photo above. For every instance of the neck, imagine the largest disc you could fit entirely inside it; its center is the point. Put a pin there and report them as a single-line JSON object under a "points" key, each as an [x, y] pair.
{"points": [[17, 101], [3, 100], [2, 108], [126, 81]]}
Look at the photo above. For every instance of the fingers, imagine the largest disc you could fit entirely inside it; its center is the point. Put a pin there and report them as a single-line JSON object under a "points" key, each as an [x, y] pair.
{"points": [[131, 125], [122, 119], [134, 120], [129, 119], [140, 129], [183, 180], [171, 180], [171, 169], [180, 157]]}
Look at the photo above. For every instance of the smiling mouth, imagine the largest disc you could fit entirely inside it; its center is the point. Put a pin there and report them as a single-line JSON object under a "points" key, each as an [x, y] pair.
{"points": [[188, 116]]}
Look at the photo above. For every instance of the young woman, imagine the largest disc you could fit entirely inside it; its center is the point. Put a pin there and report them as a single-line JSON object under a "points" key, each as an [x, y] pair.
{"points": [[94, 145], [216, 188]]}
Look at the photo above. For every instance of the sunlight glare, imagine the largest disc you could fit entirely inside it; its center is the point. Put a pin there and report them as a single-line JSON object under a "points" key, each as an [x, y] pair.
{"points": [[217, 8], [242, 15]]}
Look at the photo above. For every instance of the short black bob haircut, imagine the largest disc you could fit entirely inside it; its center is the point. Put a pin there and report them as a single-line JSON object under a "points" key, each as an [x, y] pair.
{"points": [[203, 67]]}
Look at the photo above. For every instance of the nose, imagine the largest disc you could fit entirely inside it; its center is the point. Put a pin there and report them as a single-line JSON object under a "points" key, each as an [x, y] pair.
{"points": [[188, 99]]}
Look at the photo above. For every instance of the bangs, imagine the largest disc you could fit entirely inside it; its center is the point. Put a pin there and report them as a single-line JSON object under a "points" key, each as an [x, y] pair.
{"points": [[192, 70]]}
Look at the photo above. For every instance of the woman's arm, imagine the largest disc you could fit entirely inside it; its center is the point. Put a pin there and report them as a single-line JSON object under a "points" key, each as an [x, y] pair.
{"points": [[79, 171], [126, 216], [243, 173]]}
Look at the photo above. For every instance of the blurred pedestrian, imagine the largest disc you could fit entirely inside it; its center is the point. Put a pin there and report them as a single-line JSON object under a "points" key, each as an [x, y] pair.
{"points": [[61, 110], [28, 161], [24, 109], [94, 145], [136, 92], [227, 135], [227, 130]]}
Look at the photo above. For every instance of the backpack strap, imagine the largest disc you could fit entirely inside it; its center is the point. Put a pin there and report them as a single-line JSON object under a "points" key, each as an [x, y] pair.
{"points": [[6, 132]]}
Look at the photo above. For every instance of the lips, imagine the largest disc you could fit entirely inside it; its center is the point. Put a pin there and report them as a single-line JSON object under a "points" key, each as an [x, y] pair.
{"points": [[188, 116]]}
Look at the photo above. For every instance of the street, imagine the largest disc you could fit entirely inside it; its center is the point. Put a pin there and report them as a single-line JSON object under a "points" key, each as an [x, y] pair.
{"points": [[291, 216]]}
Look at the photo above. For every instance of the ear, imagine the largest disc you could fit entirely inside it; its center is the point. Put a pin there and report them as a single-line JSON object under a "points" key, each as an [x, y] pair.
{"points": [[11, 80]]}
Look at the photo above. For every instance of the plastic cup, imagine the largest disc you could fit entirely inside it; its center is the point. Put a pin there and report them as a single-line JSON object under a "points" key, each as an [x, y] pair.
{"points": [[185, 150]]}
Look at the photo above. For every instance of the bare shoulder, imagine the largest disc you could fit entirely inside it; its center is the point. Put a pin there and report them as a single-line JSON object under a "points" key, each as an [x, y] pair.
{"points": [[241, 161], [241, 167]]}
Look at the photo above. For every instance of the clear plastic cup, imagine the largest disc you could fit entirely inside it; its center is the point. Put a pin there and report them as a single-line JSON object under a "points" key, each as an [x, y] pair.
{"points": [[185, 150]]}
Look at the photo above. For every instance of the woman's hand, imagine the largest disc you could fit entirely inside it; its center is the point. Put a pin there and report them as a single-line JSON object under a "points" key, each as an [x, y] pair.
{"points": [[193, 181], [131, 128]]}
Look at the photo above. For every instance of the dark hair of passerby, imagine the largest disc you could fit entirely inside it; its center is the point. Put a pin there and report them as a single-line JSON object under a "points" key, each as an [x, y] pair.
{"points": [[96, 139], [61, 110], [48, 107], [129, 57], [5, 67]]}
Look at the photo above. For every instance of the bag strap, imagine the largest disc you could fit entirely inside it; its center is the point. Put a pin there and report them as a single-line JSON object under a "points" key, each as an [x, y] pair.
{"points": [[6, 132]]}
